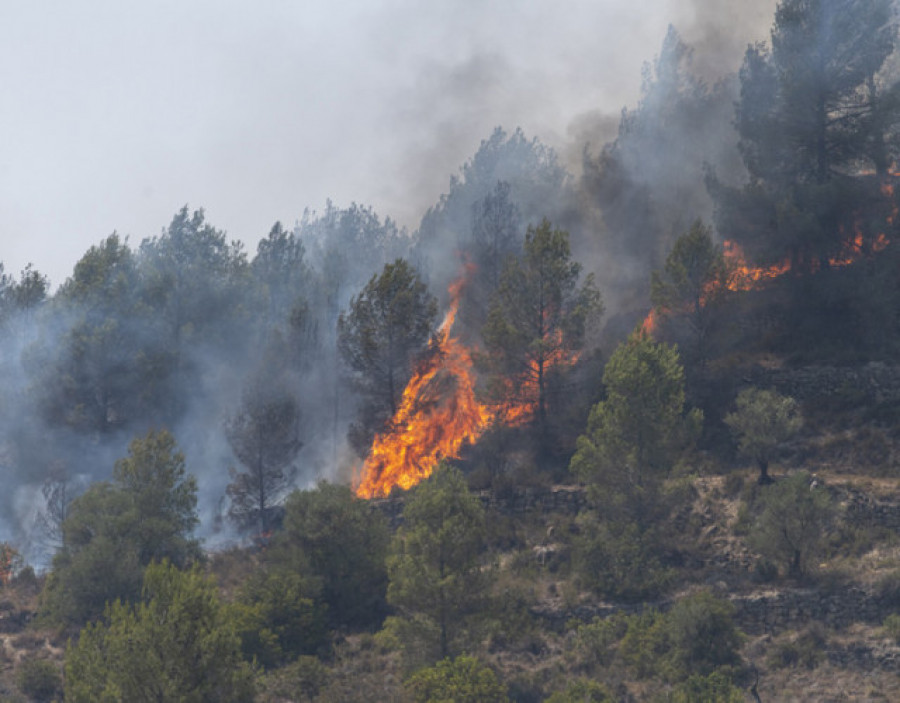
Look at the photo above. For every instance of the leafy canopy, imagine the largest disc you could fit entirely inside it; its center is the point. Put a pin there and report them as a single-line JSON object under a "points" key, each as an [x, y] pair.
{"points": [[176, 644], [762, 422], [436, 579]]}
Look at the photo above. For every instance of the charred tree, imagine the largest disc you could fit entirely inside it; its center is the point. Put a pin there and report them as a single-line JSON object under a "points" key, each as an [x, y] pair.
{"points": [[264, 435]]}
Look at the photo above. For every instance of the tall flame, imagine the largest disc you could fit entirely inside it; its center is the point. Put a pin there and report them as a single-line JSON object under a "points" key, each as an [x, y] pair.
{"points": [[438, 414]]}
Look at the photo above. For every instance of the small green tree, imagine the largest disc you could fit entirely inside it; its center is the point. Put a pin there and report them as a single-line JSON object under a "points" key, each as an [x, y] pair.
{"points": [[460, 680], [637, 433], [435, 570], [113, 530], [382, 334], [714, 688], [264, 434], [696, 637], [792, 528], [343, 542], [582, 691], [177, 644], [40, 680], [762, 422], [702, 634], [686, 291], [277, 617], [98, 561], [163, 498]]}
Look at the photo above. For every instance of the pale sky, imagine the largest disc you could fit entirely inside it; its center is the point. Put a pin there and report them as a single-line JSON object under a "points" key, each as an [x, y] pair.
{"points": [[114, 114]]}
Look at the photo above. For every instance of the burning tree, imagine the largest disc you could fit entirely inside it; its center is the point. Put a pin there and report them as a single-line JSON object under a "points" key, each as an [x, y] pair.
{"points": [[381, 337], [814, 116], [59, 490], [264, 435], [538, 319], [438, 414], [695, 275]]}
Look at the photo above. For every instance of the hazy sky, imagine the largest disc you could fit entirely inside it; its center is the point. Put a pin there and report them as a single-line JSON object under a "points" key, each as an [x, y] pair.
{"points": [[115, 114]]}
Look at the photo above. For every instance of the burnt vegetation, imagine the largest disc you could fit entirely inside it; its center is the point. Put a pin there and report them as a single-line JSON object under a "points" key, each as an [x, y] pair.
{"points": [[682, 481]]}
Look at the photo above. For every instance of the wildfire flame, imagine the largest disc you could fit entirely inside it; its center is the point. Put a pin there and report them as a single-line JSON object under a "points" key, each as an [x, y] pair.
{"points": [[439, 412], [744, 277]]}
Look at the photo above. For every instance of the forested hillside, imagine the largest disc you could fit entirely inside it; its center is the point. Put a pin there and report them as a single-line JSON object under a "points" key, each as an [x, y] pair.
{"points": [[628, 433]]}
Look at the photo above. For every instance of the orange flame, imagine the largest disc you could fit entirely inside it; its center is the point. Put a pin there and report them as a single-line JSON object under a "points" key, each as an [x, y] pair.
{"points": [[524, 392], [648, 326], [744, 277], [439, 412]]}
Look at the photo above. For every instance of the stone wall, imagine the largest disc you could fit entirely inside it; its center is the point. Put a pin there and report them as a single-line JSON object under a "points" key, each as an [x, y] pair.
{"points": [[864, 510], [772, 612], [769, 612], [566, 500], [874, 382]]}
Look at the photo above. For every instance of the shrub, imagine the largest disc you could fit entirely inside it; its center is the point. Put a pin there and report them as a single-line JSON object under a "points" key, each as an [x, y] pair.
{"points": [[592, 646], [892, 627], [276, 619], [460, 680], [621, 562], [714, 688], [697, 636], [300, 681], [39, 679], [806, 649], [583, 691], [702, 634], [792, 528]]}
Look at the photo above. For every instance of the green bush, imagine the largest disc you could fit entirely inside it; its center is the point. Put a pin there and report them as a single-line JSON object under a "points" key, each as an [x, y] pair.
{"points": [[460, 680], [892, 627], [593, 644], [807, 649], [794, 523], [583, 691], [702, 634], [645, 645], [620, 561], [696, 637], [178, 643], [40, 680], [714, 688], [343, 542], [276, 619], [302, 680]]}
